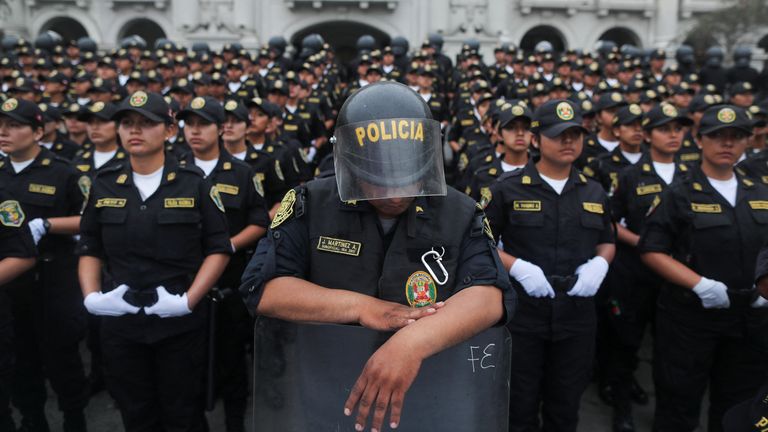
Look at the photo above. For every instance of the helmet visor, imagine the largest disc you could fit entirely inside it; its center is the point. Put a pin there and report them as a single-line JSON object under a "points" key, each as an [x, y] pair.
{"points": [[391, 158]]}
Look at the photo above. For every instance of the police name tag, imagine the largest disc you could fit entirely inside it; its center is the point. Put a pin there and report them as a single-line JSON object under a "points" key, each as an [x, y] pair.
{"points": [[531, 206], [111, 202], [593, 207], [179, 203], [339, 246], [759, 205], [706, 208], [42, 189], [227, 189], [648, 189]]}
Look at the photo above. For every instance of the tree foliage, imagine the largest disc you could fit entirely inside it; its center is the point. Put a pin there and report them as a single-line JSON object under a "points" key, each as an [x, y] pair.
{"points": [[730, 26]]}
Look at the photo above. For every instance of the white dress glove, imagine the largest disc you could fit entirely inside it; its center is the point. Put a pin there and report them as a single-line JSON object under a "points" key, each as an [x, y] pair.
{"points": [[713, 294], [591, 275], [168, 305], [532, 278], [759, 302], [109, 304], [37, 227]]}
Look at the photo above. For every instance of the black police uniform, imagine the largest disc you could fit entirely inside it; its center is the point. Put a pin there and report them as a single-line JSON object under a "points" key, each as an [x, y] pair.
{"points": [[317, 237], [633, 288], [689, 152], [591, 150], [755, 167], [15, 241], [605, 168], [697, 347], [244, 205], [154, 366], [552, 339], [269, 172], [49, 318], [84, 162]]}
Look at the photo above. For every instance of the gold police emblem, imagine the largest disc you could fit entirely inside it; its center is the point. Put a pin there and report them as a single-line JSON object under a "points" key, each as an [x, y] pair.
{"points": [[635, 109], [615, 97], [11, 214], [669, 110], [138, 99], [197, 103], [517, 110], [258, 185], [10, 104], [420, 289], [84, 183], [216, 198], [726, 115], [285, 210], [564, 111], [231, 105], [97, 107]]}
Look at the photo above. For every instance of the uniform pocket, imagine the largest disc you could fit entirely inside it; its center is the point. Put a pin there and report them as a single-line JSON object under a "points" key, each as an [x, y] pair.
{"points": [[180, 233], [527, 219], [704, 221], [592, 221]]}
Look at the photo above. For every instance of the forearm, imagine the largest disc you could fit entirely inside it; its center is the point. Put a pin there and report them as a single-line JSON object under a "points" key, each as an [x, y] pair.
{"points": [[671, 269], [507, 260], [273, 210], [12, 267], [293, 299], [465, 314], [248, 237], [624, 235], [89, 272], [607, 251], [210, 271], [64, 225]]}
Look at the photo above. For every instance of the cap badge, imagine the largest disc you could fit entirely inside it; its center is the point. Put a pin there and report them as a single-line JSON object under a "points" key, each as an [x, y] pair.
{"points": [[564, 111], [230, 105], [726, 115], [97, 107], [615, 97], [197, 103], [669, 111], [10, 105], [517, 110], [635, 109], [138, 99]]}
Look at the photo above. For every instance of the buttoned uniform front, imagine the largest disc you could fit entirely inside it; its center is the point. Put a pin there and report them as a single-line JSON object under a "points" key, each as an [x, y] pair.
{"points": [[15, 241], [306, 245], [49, 319], [154, 366], [84, 162], [244, 206], [698, 347], [630, 303], [552, 338]]}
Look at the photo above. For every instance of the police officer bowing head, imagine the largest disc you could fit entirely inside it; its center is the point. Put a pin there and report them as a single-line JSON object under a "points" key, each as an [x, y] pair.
{"points": [[160, 229], [416, 254], [556, 240]]}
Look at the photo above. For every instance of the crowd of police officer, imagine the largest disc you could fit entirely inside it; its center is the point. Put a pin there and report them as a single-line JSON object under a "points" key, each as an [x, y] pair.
{"points": [[662, 158]]}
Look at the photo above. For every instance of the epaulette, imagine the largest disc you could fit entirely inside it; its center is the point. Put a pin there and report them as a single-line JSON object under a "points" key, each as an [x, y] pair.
{"points": [[107, 170], [192, 168], [510, 174]]}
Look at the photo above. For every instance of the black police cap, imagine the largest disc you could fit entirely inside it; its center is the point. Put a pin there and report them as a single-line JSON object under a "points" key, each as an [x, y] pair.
{"points": [[23, 111], [100, 110], [235, 108], [259, 103], [203, 106], [50, 113], [511, 112], [628, 115], [662, 114], [610, 100], [723, 117], [743, 87], [555, 117], [150, 105]]}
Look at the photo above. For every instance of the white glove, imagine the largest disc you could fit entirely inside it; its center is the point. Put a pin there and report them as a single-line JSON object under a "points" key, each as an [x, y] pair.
{"points": [[713, 294], [168, 305], [109, 304], [37, 227], [760, 302], [591, 275], [532, 278]]}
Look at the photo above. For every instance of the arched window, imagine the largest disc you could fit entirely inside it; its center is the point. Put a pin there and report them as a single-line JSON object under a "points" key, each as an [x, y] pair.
{"points": [[621, 36], [543, 33], [68, 28], [146, 28], [342, 36]]}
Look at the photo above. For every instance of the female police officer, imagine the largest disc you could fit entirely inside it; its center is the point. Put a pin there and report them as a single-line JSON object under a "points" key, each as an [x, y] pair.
{"points": [[558, 242], [703, 237], [161, 232]]}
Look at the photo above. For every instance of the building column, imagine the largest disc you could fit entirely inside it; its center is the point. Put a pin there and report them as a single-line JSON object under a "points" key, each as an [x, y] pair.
{"points": [[666, 28]]}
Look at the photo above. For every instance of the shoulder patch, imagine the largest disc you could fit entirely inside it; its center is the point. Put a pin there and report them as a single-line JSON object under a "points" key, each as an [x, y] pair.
{"points": [[258, 185], [216, 198], [11, 214], [285, 210], [279, 171]]}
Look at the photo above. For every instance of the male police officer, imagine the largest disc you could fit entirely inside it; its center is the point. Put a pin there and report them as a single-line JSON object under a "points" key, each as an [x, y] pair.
{"points": [[385, 214]]}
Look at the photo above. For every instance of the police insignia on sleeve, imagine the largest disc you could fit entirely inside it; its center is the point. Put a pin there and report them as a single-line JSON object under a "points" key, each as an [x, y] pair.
{"points": [[258, 185], [216, 198], [485, 197], [11, 214], [84, 183], [285, 210], [420, 290], [487, 228], [278, 170]]}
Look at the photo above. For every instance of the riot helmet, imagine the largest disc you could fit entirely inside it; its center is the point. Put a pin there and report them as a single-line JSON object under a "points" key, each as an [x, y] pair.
{"points": [[387, 145]]}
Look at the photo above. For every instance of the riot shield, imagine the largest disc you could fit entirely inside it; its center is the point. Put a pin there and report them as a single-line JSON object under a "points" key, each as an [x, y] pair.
{"points": [[304, 373]]}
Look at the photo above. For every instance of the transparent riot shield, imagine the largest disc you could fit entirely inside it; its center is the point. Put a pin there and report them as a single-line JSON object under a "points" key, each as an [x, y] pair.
{"points": [[304, 373]]}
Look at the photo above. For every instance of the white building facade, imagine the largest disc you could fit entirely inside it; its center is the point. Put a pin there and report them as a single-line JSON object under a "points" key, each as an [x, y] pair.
{"points": [[566, 23]]}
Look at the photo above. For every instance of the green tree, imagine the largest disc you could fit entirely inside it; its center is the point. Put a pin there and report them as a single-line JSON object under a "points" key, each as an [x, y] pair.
{"points": [[728, 27]]}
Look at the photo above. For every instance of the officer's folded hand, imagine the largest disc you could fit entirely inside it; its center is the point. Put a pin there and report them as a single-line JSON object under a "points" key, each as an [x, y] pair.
{"points": [[168, 305], [713, 294], [532, 278], [382, 315], [382, 385], [109, 304], [590, 276]]}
